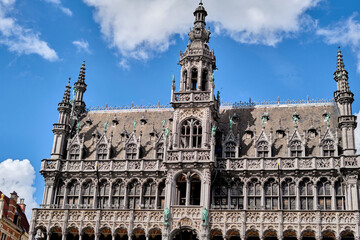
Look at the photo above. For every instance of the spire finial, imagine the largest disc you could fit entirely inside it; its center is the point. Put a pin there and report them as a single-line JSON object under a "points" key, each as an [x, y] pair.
{"points": [[201, 3], [66, 97]]}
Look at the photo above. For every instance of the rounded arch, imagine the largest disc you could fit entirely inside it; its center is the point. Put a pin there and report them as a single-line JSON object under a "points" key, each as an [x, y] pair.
{"points": [[72, 233], [216, 234], [155, 234], [270, 234], [105, 233], [233, 234], [186, 233], [121, 234], [308, 234], [290, 234], [347, 235], [55, 233], [138, 234], [328, 235], [88, 233], [252, 234], [190, 130]]}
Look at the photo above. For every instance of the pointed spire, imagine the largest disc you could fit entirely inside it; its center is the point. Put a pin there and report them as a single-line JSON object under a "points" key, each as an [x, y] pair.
{"points": [[341, 75], [82, 73], [66, 98]]}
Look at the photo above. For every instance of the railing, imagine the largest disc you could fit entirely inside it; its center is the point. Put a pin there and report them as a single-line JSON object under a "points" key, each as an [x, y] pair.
{"points": [[188, 156], [191, 52], [101, 165], [192, 97], [288, 163]]}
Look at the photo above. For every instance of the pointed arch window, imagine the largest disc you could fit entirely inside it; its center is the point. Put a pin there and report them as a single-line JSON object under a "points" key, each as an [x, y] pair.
{"points": [[221, 194], [74, 152], [295, 148], [306, 195], [160, 151], [191, 134], [271, 189], [230, 149], [195, 190], [104, 190], [131, 151], [181, 185], [102, 152], [254, 194], [88, 191], [161, 192], [194, 79], [73, 193], [263, 149], [204, 80], [118, 194], [149, 194], [185, 79], [340, 195], [288, 195], [60, 192], [328, 148], [324, 194], [134, 191], [237, 194]]}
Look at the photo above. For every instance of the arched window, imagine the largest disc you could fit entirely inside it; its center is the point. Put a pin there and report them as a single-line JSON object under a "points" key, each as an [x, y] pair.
{"points": [[149, 194], [328, 148], [88, 191], [191, 134], [195, 190], [131, 151], [324, 194], [230, 149], [271, 189], [221, 194], [288, 195], [263, 149], [74, 152], [237, 195], [161, 192], [60, 191], [185, 76], [340, 195], [160, 151], [102, 152], [103, 198], [73, 193], [295, 149], [306, 195], [254, 194], [118, 194], [134, 191], [204, 80], [181, 190], [194, 79]]}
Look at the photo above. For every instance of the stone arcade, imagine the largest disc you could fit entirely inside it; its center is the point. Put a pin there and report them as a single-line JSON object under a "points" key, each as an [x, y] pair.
{"points": [[199, 169]]}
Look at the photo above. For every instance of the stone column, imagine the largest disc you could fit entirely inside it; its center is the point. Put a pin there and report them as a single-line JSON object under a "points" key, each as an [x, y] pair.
{"points": [[333, 196], [245, 197], [315, 203], [188, 186]]}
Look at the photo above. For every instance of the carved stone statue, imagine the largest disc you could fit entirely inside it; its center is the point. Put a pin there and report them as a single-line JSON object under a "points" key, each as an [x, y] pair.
{"points": [[231, 123], [213, 130]]}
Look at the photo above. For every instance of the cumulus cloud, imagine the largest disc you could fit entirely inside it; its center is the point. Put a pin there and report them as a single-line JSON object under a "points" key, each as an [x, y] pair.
{"points": [[19, 176], [19, 39], [59, 5], [82, 45], [346, 33], [139, 28]]}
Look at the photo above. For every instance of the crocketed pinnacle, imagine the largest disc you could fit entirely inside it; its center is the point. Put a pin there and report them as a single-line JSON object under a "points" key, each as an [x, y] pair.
{"points": [[66, 97], [82, 73], [341, 75]]}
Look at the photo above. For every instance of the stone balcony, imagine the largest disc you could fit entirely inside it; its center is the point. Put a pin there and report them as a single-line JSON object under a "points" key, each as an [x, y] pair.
{"points": [[192, 97], [290, 163], [188, 156]]}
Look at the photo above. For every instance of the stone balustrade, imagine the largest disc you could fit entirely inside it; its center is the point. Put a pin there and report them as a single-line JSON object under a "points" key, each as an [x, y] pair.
{"points": [[290, 163], [188, 156], [192, 97]]}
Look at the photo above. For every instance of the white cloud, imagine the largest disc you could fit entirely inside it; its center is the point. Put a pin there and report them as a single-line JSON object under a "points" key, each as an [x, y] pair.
{"points": [[19, 176], [139, 28], [346, 33], [59, 5], [82, 45], [19, 39], [357, 135]]}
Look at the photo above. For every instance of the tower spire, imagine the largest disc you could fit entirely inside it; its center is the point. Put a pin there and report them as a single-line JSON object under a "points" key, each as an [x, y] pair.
{"points": [[80, 87], [66, 97]]}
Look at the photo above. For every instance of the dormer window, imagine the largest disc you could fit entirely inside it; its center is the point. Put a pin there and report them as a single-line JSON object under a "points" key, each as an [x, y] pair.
{"points": [[263, 149], [102, 152], [131, 151], [191, 134], [328, 148], [230, 149], [295, 149], [160, 151], [74, 152]]}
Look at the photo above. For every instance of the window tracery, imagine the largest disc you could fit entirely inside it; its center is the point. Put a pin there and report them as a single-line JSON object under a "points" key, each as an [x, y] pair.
{"points": [[340, 195], [288, 195], [74, 152], [134, 191], [88, 191], [271, 189], [324, 194], [60, 192], [296, 148], [191, 134], [149, 193], [328, 148], [131, 151], [161, 192], [102, 152], [254, 194], [263, 149], [237, 194], [118, 194], [306, 195], [221, 194], [160, 151], [104, 190], [194, 79], [73, 193], [230, 149]]}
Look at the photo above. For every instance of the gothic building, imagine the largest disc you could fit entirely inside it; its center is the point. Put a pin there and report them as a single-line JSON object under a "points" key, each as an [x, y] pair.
{"points": [[202, 170]]}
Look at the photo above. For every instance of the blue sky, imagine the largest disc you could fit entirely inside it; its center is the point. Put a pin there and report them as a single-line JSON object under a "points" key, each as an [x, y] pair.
{"points": [[264, 49]]}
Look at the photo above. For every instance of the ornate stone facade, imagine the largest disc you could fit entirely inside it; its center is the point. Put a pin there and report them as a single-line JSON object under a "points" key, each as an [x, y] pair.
{"points": [[199, 170]]}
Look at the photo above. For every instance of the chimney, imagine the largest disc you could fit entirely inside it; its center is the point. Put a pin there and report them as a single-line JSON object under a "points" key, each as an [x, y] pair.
{"points": [[12, 206], [22, 205]]}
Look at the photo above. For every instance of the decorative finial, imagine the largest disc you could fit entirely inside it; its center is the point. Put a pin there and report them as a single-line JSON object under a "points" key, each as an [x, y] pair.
{"points": [[200, 3], [69, 81]]}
